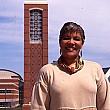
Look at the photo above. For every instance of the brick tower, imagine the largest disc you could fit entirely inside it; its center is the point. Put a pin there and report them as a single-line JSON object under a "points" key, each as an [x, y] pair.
{"points": [[35, 43]]}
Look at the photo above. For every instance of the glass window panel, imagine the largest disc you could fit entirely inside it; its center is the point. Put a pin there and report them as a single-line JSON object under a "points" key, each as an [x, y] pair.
{"points": [[35, 25]]}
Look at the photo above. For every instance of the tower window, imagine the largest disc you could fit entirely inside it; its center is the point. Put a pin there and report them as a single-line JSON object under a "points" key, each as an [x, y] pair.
{"points": [[35, 26]]}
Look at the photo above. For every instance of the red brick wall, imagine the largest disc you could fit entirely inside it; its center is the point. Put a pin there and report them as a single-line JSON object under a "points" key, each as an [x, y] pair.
{"points": [[15, 81], [7, 96], [35, 55], [9, 86]]}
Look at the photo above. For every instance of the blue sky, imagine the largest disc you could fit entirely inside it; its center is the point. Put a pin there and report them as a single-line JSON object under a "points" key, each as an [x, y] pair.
{"points": [[92, 15], [11, 35]]}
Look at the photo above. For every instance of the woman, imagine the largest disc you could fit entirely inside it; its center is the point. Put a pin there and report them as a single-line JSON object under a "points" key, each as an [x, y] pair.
{"points": [[71, 83]]}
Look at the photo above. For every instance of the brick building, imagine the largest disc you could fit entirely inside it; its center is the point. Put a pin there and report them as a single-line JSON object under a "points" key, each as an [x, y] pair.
{"points": [[10, 89], [35, 43]]}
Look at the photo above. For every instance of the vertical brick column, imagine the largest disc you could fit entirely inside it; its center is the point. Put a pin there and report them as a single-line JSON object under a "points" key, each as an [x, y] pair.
{"points": [[35, 54]]}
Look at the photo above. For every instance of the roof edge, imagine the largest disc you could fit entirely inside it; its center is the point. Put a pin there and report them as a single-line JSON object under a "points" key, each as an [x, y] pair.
{"points": [[12, 72], [35, 2]]}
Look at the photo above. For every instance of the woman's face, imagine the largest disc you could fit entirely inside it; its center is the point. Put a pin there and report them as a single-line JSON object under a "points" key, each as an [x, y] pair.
{"points": [[70, 45]]}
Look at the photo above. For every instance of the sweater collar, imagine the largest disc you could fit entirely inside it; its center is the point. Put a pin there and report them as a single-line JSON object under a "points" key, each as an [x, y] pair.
{"points": [[79, 63]]}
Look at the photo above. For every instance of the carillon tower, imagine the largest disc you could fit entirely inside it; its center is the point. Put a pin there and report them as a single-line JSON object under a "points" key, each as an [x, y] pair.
{"points": [[35, 43]]}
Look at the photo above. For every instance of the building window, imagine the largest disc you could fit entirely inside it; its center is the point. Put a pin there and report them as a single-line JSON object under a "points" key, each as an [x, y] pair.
{"points": [[5, 104], [5, 91], [35, 26]]}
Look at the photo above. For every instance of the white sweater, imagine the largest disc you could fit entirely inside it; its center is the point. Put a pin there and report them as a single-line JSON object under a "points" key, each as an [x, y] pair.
{"points": [[86, 89]]}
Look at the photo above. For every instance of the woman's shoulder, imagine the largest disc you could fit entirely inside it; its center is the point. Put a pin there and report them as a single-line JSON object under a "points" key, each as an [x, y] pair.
{"points": [[49, 66], [92, 64], [94, 67]]}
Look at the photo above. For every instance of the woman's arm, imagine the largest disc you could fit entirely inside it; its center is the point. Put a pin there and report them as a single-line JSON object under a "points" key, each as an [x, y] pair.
{"points": [[103, 91], [40, 95]]}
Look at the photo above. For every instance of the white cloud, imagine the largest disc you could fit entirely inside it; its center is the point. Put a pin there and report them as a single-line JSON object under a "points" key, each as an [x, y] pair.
{"points": [[11, 22], [11, 32], [11, 7]]}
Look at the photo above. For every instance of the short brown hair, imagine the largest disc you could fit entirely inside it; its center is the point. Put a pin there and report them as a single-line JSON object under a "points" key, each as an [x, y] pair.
{"points": [[71, 27]]}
